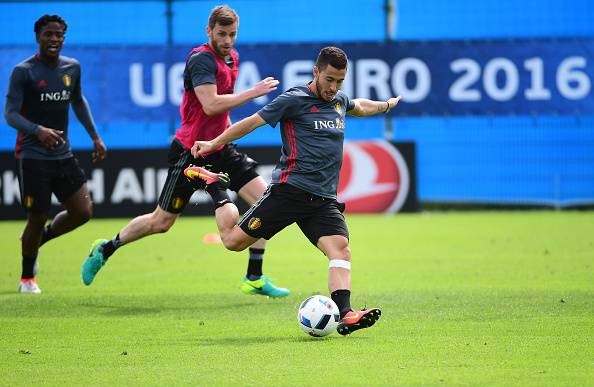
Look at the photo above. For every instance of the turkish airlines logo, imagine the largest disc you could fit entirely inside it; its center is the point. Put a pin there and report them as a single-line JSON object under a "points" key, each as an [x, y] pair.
{"points": [[374, 177]]}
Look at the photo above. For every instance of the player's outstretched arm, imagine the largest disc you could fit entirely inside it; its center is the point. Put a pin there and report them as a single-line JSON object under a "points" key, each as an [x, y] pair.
{"points": [[366, 107], [235, 131], [214, 103]]}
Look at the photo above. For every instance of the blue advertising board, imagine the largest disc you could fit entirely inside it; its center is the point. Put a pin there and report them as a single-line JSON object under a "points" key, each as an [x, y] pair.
{"points": [[525, 77], [493, 121]]}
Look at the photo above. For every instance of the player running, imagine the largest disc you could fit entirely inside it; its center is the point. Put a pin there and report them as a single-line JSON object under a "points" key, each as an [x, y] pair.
{"points": [[41, 90], [305, 181], [209, 82]]}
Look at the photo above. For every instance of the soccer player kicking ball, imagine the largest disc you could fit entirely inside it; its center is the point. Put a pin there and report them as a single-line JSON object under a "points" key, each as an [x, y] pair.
{"points": [[305, 181]]}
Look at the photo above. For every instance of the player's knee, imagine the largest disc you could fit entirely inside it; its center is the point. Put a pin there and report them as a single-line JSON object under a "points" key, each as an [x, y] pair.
{"points": [[161, 227], [345, 253], [339, 250], [233, 243], [36, 220], [85, 214], [342, 252], [161, 224]]}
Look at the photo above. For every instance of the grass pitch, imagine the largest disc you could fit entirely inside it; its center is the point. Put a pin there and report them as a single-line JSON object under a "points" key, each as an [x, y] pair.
{"points": [[486, 298]]}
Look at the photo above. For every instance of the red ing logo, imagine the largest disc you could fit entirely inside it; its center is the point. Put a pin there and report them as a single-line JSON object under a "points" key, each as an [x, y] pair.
{"points": [[374, 177]]}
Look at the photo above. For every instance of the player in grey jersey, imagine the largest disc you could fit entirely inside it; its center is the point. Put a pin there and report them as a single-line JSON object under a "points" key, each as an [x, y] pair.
{"points": [[41, 90], [305, 181]]}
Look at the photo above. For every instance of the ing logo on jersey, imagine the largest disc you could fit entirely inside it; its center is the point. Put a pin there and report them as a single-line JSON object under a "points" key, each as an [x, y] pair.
{"points": [[67, 80], [339, 123], [254, 223], [55, 96], [336, 124]]}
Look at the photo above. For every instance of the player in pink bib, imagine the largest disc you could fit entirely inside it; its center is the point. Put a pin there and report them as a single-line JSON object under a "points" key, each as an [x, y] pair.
{"points": [[209, 94]]}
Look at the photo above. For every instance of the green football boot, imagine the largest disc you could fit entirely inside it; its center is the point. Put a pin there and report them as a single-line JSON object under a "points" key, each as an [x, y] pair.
{"points": [[94, 262], [263, 286]]}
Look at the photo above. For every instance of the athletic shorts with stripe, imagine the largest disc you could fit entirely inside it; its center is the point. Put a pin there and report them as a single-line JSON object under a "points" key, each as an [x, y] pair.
{"points": [[38, 179], [177, 190], [283, 204]]}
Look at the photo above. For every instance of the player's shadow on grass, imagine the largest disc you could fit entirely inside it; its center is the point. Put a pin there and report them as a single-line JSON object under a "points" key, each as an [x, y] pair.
{"points": [[239, 341], [131, 311], [249, 341], [115, 310], [120, 310], [313, 340]]}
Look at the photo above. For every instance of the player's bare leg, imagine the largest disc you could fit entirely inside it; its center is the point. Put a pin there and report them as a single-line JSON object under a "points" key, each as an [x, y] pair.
{"points": [[336, 248], [158, 221], [255, 282], [251, 193], [233, 237], [30, 239], [78, 211], [226, 212], [32, 233]]}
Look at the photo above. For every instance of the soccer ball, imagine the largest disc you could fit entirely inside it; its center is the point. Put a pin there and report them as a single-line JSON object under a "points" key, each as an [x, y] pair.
{"points": [[318, 316]]}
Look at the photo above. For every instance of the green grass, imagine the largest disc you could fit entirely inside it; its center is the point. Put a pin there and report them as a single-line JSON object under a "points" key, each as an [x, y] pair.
{"points": [[476, 298]]}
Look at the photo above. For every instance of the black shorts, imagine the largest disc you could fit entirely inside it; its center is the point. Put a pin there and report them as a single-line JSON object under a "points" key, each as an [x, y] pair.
{"points": [[284, 204], [177, 189], [39, 178]]}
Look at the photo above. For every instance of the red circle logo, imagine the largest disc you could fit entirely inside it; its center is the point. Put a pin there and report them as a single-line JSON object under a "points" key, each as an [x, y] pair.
{"points": [[374, 177]]}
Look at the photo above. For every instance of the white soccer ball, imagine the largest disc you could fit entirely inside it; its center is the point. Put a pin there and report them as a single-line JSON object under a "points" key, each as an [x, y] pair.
{"points": [[318, 316]]}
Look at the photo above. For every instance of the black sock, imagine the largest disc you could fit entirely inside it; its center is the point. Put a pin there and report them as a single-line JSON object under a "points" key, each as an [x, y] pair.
{"points": [[28, 263], [342, 298], [254, 270], [110, 247], [47, 234], [218, 193]]}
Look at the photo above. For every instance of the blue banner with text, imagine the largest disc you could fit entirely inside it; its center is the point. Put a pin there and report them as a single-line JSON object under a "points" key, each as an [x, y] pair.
{"points": [[520, 77]]}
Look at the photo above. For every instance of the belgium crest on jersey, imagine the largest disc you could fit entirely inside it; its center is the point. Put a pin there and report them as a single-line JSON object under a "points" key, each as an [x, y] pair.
{"points": [[254, 223], [28, 201], [338, 108], [177, 203], [67, 80]]}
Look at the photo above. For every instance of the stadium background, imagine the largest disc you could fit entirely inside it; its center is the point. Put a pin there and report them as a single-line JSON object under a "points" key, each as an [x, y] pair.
{"points": [[499, 96]]}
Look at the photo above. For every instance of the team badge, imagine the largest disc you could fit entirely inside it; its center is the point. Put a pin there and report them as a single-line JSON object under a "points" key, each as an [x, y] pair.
{"points": [[28, 201], [177, 203], [338, 108], [254, 223], [67, 80]]}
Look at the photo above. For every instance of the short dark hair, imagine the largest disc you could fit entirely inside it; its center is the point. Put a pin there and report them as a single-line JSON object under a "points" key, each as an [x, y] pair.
{"points": [[46, 19], [333, 56], [223, 15]]}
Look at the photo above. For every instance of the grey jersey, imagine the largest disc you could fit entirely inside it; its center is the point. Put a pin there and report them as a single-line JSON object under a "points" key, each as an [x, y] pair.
{"points": [[41, 95], [312, 131]]}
